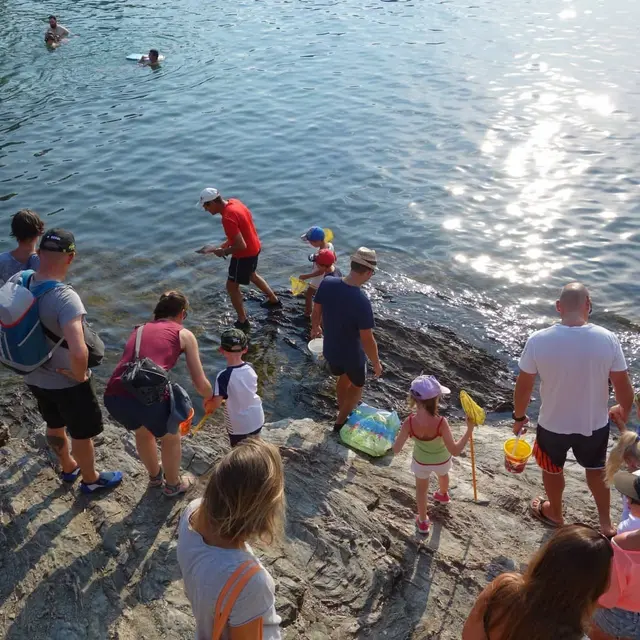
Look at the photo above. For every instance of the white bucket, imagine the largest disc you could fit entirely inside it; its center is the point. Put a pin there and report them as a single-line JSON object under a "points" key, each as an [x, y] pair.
{"points": [[315, 348]]}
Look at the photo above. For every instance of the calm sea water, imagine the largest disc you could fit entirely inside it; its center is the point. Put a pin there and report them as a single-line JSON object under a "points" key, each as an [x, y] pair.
{"points": [[488, 151]]}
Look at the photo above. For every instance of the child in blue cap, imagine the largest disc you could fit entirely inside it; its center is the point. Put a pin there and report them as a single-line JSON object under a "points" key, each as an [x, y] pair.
{"points": [[316, 237]]}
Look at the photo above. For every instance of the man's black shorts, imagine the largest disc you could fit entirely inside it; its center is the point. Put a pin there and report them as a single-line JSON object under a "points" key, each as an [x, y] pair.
{"points": [[75, 408], [356, 373], [550, 449], [241, 269]]}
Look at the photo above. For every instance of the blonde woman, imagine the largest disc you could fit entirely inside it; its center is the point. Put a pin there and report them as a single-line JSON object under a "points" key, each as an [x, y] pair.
{"points": [[243, 502]]}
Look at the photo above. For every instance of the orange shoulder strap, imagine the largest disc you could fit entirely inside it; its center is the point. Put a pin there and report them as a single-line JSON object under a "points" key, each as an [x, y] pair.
{"points": [[229, 594]]}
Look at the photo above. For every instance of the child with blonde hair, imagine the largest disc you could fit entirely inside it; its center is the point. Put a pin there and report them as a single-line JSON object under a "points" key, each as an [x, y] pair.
{"points": [[232, 595], [626, 453], [433, 443]]}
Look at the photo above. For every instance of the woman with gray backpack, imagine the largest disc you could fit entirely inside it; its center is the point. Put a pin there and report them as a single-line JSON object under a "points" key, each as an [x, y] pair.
{"points": [[142, 399]]}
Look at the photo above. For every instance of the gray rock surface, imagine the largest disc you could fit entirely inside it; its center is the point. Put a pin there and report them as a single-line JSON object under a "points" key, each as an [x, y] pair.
{"points": [[351, 566]]}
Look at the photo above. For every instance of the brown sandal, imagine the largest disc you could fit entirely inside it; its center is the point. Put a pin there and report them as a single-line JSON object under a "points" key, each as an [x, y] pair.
{"points": [[537, 513]]}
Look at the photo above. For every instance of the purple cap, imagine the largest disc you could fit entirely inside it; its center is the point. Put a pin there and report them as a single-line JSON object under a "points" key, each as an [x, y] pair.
{"points": [[427, 387]]}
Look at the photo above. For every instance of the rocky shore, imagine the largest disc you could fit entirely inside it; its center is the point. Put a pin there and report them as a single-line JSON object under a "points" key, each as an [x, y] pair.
{"points": [[351, 566]]}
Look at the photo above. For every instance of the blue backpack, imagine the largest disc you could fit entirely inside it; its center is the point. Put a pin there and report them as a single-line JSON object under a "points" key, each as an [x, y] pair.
{"points": [[23, 341]]}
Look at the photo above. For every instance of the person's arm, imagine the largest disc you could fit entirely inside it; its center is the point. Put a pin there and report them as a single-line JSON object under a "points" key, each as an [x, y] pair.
{"points": [[474, 626], [521, 398], [73, 333], [316, 320], [254, 610], [189, 345], [456, 448], [65, 31], [212, 404], [237, 244], [250, 631], [623, 391], [524, 385], [402, 437], [313, 274], [370, 347]]}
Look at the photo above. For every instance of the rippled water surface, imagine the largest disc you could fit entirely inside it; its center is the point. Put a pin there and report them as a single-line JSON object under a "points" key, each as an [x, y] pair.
{"points": [[489, 151]]}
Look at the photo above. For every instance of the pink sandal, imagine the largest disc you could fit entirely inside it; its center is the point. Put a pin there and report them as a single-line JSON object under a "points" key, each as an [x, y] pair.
{"points": [[442, 498]]}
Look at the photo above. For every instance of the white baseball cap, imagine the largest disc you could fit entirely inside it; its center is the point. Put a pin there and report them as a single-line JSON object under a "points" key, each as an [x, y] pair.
{"points": [[207, 195]]}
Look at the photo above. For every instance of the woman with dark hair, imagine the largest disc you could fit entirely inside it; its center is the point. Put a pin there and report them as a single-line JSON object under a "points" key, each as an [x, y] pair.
{"points": [[162, 341], [554, 598]]}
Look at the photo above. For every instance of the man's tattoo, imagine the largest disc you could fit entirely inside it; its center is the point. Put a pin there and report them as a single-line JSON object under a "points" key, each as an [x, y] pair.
{"points": [[57, 443]]}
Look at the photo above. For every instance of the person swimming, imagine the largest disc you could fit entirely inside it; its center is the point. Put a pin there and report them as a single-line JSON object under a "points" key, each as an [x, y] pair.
{"points": [[57, 29], [51, 40], [152, 59]]}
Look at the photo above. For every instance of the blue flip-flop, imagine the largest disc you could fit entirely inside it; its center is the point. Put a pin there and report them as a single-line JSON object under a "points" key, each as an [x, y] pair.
{"points": [[70, 477]]}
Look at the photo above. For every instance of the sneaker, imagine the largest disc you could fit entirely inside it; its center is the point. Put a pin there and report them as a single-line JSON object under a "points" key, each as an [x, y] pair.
{"points": [[156, 481], [423, 525], [442, 498], [175, 490], [106, 480], [70, 477], [243, 326], [267, 304]]}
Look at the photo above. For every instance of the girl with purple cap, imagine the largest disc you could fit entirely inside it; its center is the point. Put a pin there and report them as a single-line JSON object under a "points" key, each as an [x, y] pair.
{"points": [[433, 444]]}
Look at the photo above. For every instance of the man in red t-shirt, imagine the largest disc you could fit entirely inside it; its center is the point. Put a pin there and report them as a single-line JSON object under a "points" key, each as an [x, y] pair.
{"points": [[243, 244]]}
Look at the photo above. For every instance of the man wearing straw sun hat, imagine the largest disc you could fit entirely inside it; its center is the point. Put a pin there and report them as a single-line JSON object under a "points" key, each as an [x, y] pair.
{"points": [[347, 318], [575, 361]]}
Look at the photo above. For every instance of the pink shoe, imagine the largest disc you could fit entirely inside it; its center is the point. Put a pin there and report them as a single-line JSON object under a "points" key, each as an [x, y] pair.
{"points": [[442, 498], [423, 525]]}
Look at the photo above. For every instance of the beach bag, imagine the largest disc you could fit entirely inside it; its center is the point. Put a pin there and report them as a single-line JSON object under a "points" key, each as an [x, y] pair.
{"points": [[181, 410], [370, 430], [94, 343], [23, 340], [143, 378], [229, 594]]}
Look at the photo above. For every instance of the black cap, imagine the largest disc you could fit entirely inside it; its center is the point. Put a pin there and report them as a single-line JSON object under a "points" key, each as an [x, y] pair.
{"points": [[233, 340], [58, 240], [628, 484]]}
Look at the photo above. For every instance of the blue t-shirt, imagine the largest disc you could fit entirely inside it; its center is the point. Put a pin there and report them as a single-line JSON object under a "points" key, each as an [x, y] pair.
{"points": [[9, 266], [346, 311]]}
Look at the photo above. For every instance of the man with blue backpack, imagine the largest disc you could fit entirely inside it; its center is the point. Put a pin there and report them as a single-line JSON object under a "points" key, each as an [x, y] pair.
{"points": [[43, 336]]}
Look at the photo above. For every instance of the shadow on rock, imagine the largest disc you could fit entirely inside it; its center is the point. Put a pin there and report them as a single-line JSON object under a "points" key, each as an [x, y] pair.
{"points": [[98, 579]]}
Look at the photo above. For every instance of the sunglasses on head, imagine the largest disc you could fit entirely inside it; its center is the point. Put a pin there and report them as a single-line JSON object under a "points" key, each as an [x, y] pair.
{"points": [[588, 526]]}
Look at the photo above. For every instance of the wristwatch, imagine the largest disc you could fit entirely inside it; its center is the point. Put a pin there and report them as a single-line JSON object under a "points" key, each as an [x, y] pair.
{"points": [[515, 418]]}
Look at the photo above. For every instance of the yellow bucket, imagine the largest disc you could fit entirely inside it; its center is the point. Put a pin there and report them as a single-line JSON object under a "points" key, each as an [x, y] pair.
{"points": [[516, 461]]}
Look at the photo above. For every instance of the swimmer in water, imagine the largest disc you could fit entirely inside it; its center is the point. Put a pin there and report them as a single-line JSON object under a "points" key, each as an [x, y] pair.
{"points": [[51, 41], [151, 60], [56, 29]]}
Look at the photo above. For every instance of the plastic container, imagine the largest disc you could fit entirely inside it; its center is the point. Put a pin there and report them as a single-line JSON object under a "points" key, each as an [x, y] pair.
{"points": [[516, 461], [315, 348]]}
